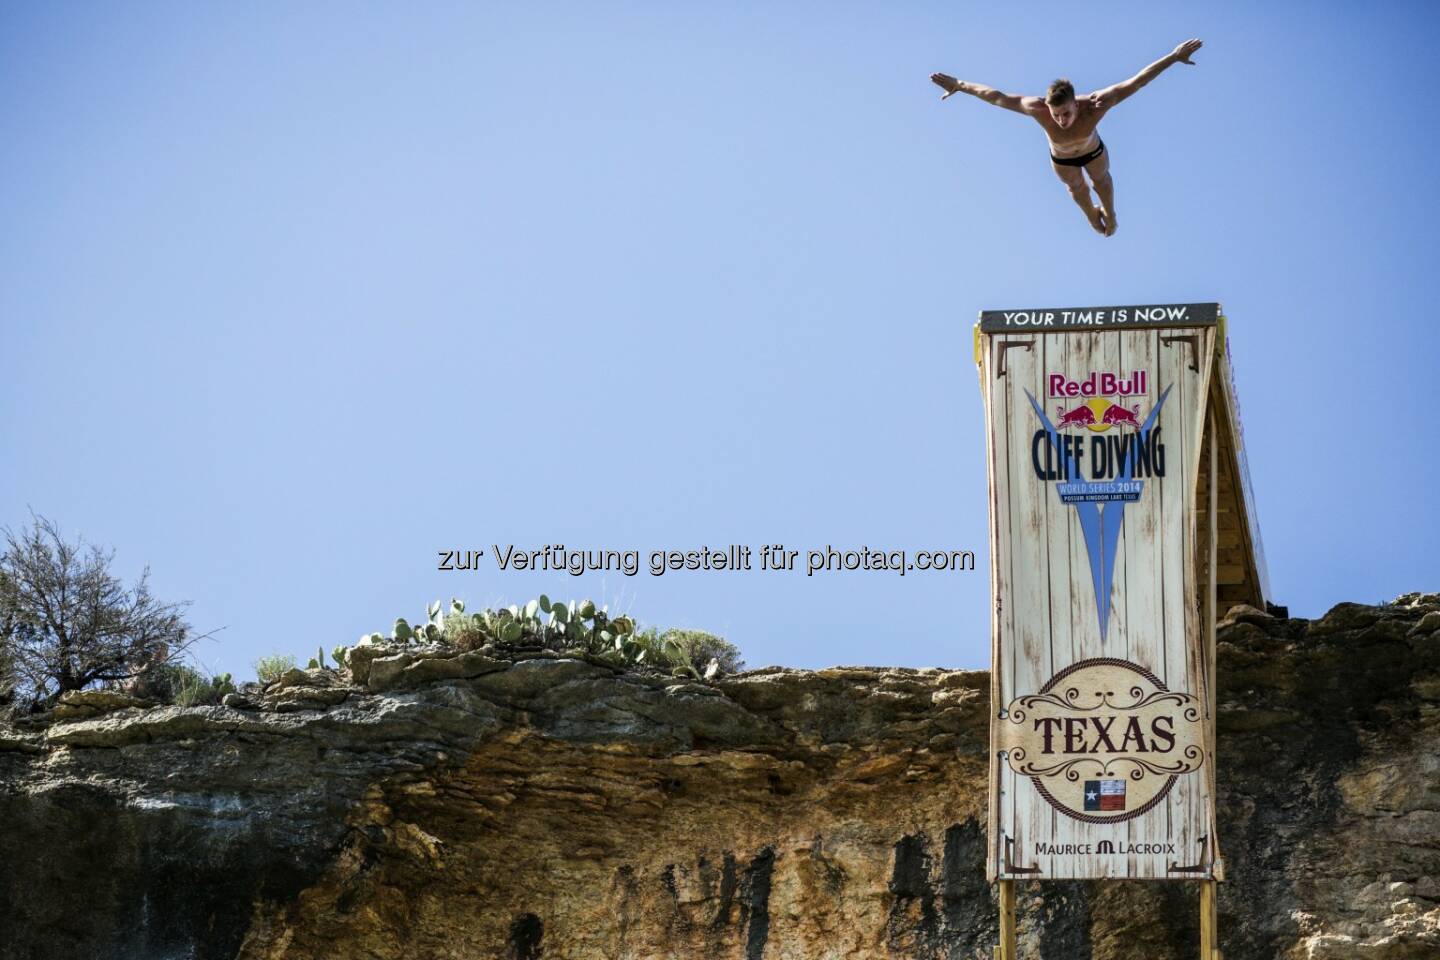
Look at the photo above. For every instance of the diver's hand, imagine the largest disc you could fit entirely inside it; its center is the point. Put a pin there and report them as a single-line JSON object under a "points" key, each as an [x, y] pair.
{"points": [[1187, 49], [949, 84]]}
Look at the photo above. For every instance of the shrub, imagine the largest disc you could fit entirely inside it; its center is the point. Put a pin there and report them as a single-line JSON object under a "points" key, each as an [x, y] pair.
{"points": [[465, 633], [195, 689], [271, 667], [192, 689], [161, 682], [67, 623], [696, 649], [181, 685]]}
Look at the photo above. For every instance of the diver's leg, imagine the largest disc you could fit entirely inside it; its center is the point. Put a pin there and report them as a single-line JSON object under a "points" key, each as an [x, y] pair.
{"points": [[1099, 170], [1074, 181]]}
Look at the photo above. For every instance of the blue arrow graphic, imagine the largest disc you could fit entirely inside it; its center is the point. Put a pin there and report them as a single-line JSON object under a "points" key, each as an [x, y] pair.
{"points": [[1100, 523]]}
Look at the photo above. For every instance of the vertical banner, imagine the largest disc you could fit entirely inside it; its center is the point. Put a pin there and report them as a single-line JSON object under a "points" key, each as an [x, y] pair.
{"points": [[1102, 755]]}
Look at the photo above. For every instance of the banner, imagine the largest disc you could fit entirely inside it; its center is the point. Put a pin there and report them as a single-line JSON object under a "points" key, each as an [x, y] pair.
{"points": [[1102, 752]]}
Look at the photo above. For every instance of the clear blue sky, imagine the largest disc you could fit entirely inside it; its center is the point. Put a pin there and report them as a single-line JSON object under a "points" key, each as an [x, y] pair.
{"points": [[293, 296]]}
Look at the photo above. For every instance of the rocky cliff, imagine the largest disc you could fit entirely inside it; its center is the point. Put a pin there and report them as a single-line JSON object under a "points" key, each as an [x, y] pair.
{"points": [[542, 807]]}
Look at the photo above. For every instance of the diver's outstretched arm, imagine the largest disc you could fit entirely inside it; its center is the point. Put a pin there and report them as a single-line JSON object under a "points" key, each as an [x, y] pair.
{"points": [[1111, 95], [1010, 101]]}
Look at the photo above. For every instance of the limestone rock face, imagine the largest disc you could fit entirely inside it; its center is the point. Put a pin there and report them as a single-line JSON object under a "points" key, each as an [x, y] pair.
{"points": [[77, 704], [470, 806]]}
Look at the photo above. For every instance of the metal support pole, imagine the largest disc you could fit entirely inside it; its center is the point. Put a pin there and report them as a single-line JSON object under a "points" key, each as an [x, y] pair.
{"points": [[1209, 921], [1007, 920]]}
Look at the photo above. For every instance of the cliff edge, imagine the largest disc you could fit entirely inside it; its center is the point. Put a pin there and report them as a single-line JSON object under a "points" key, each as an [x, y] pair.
{"points": [[467, 806]]}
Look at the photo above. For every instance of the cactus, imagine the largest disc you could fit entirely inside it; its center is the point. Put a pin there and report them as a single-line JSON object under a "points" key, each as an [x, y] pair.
{"points": [[576, 627]]}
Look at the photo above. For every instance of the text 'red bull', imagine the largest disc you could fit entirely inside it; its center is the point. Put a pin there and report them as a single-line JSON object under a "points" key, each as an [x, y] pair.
{"points": [[1100, 384]]}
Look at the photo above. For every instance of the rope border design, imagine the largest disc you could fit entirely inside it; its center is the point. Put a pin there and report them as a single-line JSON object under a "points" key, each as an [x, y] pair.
{"points": [[1105, 662]]}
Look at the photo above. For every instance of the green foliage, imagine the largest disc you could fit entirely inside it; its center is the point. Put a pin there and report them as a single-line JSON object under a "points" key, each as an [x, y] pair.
{"points": [[700, 653], [271, 667], [573, 627], [466, 632], [182, 685], [192, 688]]}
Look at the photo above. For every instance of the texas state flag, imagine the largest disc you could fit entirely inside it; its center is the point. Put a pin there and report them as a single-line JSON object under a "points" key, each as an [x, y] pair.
{"points": [[1103, 795]]}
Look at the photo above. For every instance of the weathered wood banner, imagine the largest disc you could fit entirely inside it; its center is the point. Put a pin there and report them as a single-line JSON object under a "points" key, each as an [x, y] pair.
{"points": [[1112, 442]]}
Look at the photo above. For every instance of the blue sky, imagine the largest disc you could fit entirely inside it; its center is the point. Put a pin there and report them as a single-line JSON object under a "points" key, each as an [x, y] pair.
{"points": [[293, 297]]}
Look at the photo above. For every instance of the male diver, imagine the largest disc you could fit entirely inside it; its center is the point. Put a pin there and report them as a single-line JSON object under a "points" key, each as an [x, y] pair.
{"points": [[1070, 124]]}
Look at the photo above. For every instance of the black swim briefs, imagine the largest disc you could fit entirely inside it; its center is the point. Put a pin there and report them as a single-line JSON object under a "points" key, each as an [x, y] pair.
{"points": [[1080, 161]]}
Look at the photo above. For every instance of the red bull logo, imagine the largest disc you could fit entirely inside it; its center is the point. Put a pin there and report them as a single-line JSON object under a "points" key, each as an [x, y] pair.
{"points": [[1103, 408], [1098, 415], [1118, 416], [1081, 416]]}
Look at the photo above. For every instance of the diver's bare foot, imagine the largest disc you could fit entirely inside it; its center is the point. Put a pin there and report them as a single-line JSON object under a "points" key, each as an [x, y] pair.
{"points": [[1097, 220], [1108, 217]]}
